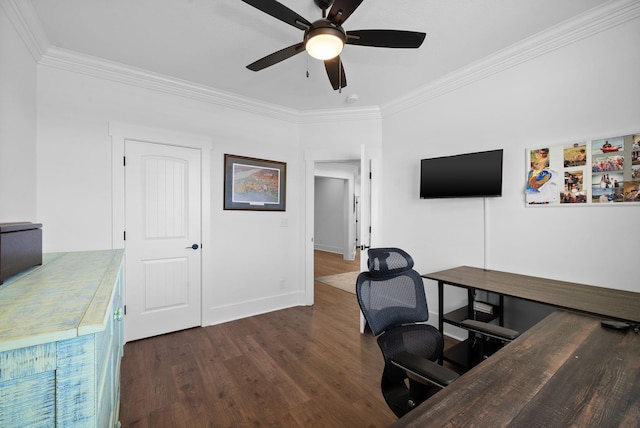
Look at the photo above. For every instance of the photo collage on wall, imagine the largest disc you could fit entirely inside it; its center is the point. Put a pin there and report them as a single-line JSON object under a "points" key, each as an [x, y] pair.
{"points": [[598, 171]]}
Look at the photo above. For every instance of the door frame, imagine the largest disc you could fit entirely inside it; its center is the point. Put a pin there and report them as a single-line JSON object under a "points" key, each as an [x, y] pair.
{"points": [[334, 155], [119, 133]]}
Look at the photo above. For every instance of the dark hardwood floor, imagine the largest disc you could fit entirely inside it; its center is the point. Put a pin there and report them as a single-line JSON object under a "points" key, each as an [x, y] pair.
{"points": [[302, 366]]}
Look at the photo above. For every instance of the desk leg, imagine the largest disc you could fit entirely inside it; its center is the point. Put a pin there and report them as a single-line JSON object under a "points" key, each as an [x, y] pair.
{"points": [[471, 295], [441, 314]]}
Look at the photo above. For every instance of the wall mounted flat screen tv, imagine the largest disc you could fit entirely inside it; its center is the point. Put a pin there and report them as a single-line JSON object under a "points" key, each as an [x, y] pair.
{"points": [[467, 175]]}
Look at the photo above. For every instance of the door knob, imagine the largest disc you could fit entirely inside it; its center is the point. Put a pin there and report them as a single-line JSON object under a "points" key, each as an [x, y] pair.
{"points": [[193, 247]]}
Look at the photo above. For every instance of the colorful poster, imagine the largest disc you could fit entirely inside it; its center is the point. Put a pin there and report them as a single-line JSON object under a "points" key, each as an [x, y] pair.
{"points": [[600, 171]]}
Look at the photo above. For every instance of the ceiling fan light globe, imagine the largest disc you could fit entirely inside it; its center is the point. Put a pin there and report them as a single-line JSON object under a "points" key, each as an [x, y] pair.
{"points": [[324, 44]]}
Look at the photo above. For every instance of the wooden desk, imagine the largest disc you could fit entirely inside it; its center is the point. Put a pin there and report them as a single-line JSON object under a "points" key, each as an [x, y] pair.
{"points": [[602, 301], [565, 371]]}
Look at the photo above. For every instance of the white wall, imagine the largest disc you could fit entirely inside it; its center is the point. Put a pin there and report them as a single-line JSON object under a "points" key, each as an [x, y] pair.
{"points": [[256, 263], [56, 121], [17, 126], [583, 90]]}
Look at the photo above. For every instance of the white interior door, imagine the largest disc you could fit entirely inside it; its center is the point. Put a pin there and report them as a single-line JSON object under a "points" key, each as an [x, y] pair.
{"points": [[365, 206], [365, 215], [163, 238]]}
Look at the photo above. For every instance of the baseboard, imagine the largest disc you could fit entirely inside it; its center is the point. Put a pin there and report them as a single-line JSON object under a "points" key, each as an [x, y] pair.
{"points": [[328, 248], [221, 314]]}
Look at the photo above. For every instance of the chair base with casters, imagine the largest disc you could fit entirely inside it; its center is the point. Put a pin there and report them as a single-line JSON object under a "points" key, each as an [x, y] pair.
{"points": [[392, 299]]}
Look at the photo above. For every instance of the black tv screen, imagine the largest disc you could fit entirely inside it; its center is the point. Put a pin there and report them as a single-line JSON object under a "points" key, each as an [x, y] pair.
{"points": [[467, 175]]}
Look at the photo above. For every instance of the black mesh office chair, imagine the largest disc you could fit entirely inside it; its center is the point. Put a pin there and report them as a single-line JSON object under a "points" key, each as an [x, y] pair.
{"points": [[392, 298]]}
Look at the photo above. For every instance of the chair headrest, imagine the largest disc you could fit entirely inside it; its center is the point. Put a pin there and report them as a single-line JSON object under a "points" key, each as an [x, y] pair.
{"points": [[388, 261]]}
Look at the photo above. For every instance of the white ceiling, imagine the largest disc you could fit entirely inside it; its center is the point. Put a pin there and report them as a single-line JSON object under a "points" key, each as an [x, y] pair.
{"points": [[210, 42]]}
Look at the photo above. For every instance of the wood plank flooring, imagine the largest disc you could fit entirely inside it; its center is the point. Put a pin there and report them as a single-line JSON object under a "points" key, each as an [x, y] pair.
{"points": [[302, 366], [326, 263]]}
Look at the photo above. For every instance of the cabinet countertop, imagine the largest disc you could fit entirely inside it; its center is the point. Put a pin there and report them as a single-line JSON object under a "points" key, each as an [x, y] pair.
{"points": [[67, 296]]}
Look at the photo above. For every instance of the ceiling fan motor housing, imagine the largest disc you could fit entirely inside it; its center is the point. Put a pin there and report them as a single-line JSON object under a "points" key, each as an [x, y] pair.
{"points": [[324, 26]]}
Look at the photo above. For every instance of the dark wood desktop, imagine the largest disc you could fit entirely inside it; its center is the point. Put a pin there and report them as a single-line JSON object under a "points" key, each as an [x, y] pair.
{"points": [[600, 301], [567, 370]]}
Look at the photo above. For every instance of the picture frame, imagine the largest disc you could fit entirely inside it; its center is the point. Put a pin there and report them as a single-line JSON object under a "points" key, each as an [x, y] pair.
{"points": [[254, 184]]}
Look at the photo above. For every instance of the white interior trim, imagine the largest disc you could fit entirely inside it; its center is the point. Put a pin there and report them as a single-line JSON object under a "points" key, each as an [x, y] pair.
{"points": [[24, 19], [591, 22], [587, 24], [120, 132]]}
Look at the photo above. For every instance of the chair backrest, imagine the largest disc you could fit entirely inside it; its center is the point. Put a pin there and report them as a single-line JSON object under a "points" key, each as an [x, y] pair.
{"points": [[391, 293]]}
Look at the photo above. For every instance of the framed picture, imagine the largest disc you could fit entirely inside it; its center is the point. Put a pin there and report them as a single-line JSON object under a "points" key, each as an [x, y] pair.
{"points": [[254, 184]]}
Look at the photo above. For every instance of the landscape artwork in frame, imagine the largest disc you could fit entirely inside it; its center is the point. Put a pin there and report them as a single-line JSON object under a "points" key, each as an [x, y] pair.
{"points": [[254, 184]]}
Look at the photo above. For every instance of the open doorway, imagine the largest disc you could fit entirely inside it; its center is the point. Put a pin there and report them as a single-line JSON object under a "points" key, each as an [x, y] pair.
{"points": [[368, 203], [336, 216], [336, 206]]}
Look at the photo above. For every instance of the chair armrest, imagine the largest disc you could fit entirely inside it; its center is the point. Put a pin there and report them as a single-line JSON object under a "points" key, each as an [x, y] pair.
{"points": [[490, 329], [424, 369]]}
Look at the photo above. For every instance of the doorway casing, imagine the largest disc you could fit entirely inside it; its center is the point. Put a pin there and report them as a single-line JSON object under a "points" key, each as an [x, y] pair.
{"points": [[311, 157], [119, 132]]}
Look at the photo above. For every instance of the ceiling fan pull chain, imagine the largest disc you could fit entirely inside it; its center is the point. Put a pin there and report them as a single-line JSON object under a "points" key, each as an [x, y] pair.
{"points": [[307, 66]]}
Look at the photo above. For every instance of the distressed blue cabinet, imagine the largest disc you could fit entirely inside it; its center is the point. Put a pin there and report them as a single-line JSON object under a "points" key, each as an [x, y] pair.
{"points": [[61, 342]]}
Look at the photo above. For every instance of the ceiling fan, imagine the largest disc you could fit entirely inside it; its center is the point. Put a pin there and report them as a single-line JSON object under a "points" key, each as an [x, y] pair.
{"points": [[324, 39]]}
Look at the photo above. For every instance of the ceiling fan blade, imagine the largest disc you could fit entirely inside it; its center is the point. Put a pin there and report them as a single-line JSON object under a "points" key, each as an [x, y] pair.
{"points": [[341, 10], [276, 57], [385, 38], [281, 12], [335, 71]]}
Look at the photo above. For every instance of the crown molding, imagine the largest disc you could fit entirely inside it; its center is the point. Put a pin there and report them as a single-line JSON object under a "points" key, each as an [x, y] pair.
{"points": [[587, 24], [22, 15], [339, 115], [26, 23], [97, 67]]}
